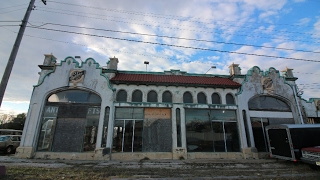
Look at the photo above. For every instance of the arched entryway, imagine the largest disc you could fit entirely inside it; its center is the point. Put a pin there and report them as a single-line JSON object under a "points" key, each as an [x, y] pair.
{"points": [[69, 122], [267, 110]]}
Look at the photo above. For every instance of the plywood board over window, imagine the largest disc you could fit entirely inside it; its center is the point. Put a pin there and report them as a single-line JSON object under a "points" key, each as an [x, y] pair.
{"points": [[157, 133]]}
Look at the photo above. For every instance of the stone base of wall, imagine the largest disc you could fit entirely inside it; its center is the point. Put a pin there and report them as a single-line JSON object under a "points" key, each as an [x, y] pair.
{"points": [[179, 153], [215, 155], [25, 152], [141, 156], [28, 152], [250, 153], [104, 155]]}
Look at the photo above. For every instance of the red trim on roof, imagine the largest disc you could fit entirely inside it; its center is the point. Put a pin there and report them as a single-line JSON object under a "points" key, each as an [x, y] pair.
{"points": [[173, 80]]}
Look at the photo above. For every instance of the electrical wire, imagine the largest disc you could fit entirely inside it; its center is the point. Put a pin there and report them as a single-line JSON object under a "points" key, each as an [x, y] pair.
{"points": [[180, 38], [13, 6], [12, 11], [164, 16], [171, 45], [220, 24], [209, 32]]}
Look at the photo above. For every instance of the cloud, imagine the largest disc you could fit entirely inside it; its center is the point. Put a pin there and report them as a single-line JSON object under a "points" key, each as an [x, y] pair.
{"points": [[255, 22]]}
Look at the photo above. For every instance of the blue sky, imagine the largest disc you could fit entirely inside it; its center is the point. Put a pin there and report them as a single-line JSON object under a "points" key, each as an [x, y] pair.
{"points": [[226, 31]]}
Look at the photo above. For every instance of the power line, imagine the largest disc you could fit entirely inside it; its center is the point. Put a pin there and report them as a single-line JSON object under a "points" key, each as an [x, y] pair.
{"points": [[8, 25], [159, 15], [117, 50], [170, 45], [209, 32], [10, 21], [180, 38], [220, 24], [13, 6], [307, 73], [12, 11]]}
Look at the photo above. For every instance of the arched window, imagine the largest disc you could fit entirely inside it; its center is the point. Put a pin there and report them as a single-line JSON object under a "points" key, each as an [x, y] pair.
{"points": [[230, 99], [137, 96], [268, 103], [167, 97], [74, 96], [152, 97], [122, 96], [216, 98], [187, 97], [202, 99]]}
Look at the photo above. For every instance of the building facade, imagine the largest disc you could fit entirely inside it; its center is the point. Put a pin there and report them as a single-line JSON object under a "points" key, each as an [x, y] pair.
{"points": [[85, 111]]}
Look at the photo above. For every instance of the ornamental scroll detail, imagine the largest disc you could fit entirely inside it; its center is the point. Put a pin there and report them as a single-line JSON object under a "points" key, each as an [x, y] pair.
{"points": [[76, 76], [267, 84]]}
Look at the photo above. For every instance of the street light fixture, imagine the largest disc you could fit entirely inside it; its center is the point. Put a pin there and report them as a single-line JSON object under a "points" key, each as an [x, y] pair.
{"points": [[212, 67], [146, 63]]}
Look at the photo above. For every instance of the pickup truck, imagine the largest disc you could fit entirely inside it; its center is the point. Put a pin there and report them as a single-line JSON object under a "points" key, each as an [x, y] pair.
{"points": [[311, 155]]}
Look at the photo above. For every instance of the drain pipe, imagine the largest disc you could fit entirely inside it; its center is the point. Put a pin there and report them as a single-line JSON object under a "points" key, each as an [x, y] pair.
{"points": [[295, 97]]}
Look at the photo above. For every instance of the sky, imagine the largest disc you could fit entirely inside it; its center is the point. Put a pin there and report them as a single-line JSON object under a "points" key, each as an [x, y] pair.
{"points": [[189, 35]]}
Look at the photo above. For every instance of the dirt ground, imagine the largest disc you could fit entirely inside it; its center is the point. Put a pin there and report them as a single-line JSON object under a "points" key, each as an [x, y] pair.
{"points": [[155, 169]]}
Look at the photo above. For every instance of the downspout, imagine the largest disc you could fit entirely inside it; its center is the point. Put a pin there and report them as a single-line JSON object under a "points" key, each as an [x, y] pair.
{"points": [[295, 97]]}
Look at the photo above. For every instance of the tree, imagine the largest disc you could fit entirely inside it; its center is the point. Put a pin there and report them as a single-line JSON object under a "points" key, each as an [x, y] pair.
{"points": [[16, 123]]}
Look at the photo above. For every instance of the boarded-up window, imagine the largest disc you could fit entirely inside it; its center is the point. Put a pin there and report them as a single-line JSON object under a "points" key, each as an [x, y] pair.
{"points": [[187, 97], [137, 96], [216, 98], [152, 97], [122, 96], [230, 99], [167, 97], [202, 99]]}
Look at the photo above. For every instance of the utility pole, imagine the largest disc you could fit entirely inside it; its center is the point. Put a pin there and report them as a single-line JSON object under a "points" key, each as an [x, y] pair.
{"points": [[7, 72]]}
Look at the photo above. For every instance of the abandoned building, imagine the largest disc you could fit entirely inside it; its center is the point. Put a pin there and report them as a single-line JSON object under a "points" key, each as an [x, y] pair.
{"points": [[85, 111]]}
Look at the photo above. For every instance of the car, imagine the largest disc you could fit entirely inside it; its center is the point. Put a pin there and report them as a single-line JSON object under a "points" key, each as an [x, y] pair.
{"points": [[9, 143]]}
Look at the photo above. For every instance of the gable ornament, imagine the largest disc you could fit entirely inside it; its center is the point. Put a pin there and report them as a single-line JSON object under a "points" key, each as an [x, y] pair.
{"points": [[267, 84], [76, 76]]}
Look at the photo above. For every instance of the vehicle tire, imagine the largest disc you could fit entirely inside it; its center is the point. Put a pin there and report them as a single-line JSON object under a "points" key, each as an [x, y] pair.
{"points": [[9, 150]]}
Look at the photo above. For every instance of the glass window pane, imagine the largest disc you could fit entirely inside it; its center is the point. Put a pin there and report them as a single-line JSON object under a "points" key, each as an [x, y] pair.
{"points": [[232, 137], [216, 98], [128, 133], [137, 96], [259, 136], [122, 96], [178, 120], [198, 131], [47, 128], [167, 97], [229, 99], [152, 97], [218, 137], [268, 103], [228, 115], [187, 97], [105, 127], [129, 113], [75, 96], [137, 143], [118, 135], [91, 129], [202, 99]]}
